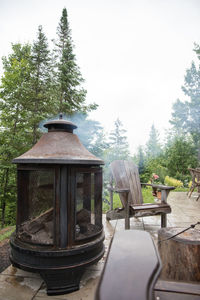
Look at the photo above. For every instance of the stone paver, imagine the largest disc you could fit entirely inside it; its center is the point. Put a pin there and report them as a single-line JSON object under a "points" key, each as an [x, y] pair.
{"points": [[18, 284]]}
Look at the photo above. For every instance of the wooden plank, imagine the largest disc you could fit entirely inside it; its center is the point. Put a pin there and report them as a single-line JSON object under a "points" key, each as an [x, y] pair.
{"points": [[133, 180], [120, 178], [174, 296], [150, 206], [131, 269], [178, 287]]}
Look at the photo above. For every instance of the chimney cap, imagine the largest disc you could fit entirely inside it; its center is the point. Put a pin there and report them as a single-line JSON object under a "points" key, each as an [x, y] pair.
{"points": [[60, 125]]}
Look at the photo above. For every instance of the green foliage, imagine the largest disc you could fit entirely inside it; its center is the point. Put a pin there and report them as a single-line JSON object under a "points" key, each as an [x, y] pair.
{"points": [[147, 195], [173, 182], [157, 166], [180, 155]]}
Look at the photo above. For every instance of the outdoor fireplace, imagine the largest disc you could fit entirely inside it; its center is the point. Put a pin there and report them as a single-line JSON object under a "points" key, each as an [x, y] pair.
{"points": [[59, 211]]}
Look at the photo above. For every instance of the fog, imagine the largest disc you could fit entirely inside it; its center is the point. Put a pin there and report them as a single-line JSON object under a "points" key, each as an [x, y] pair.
{"points": [[132, 54]]}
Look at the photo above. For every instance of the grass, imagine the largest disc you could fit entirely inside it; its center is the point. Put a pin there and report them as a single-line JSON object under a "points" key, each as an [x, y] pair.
{"points": [[147, 195], [6, 233]]}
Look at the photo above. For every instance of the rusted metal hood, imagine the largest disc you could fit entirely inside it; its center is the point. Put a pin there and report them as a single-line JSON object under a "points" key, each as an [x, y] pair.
{"points": [[59, 145]]}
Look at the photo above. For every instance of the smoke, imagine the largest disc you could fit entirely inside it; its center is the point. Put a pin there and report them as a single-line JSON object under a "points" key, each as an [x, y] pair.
{"points": [[87, 130]]}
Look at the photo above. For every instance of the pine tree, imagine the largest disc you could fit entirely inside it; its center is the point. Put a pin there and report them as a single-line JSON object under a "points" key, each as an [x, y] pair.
{"points": [[119, 147], [41, 101], [71, 95], [185, 116], [153, 147]]}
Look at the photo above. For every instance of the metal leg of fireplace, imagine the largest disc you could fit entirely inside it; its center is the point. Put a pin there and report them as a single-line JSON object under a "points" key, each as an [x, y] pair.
{"points": [[60, 282]]}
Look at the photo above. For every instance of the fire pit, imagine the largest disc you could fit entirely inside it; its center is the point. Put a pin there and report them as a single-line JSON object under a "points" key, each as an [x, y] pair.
{"points": [[59, 211]]}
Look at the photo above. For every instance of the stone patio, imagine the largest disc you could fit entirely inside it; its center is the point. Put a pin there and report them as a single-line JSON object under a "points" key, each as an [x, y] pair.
{"points": [[17, 284]]}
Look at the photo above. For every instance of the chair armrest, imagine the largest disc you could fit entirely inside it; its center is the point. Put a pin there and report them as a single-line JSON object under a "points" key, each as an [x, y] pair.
{"points": [[163, 188], [159, 186], [194, 170], [125, 190]]}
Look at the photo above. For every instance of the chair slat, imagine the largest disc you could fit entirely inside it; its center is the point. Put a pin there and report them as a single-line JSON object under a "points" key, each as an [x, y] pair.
{"points": [[134, 183]]}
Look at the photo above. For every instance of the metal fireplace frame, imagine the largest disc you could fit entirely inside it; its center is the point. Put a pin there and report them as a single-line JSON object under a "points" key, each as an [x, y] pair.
{"points": [[61, 264]]}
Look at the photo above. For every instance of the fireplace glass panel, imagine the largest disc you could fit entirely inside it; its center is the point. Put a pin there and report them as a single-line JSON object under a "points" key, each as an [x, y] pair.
{"points": [[37, 197], [86, 219]]}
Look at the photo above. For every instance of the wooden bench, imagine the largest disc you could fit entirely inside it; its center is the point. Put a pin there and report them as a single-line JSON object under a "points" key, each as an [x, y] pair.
{"points": [[131, 269]]}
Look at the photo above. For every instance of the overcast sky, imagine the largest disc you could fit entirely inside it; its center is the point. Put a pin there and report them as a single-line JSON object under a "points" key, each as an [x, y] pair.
{"points": [[132, 54]]}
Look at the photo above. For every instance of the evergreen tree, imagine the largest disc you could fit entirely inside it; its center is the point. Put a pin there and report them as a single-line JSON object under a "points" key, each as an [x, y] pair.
{"points": [[69, 79], [141, 160], [153, 147], [180, 155], [42, 102], [185, 116], [118, 144]]}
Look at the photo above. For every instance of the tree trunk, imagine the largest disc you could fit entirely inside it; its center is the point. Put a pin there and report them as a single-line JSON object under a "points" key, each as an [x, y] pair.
{"points": [[180, 255]]}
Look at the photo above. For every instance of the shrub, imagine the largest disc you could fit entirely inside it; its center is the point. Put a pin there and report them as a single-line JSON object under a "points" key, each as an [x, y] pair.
{"points": [[190, 184], [173, 182], [184, 178]]}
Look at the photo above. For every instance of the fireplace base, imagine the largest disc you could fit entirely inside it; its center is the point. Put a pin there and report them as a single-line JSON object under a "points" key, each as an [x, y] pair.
{"points": [[61, 269], [60, 282]]}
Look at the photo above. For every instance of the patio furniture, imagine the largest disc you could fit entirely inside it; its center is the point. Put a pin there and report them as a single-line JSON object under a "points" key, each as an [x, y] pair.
{"points": [[127, 184], [132, 268], [195, 173]]}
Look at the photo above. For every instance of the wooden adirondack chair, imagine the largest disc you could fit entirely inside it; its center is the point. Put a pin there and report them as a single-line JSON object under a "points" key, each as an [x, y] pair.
{"points": [[195, 173], [127, 184]]}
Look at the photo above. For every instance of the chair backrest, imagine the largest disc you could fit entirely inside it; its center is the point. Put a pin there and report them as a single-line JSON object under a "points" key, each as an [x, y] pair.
{"points": [[125, 175]]}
